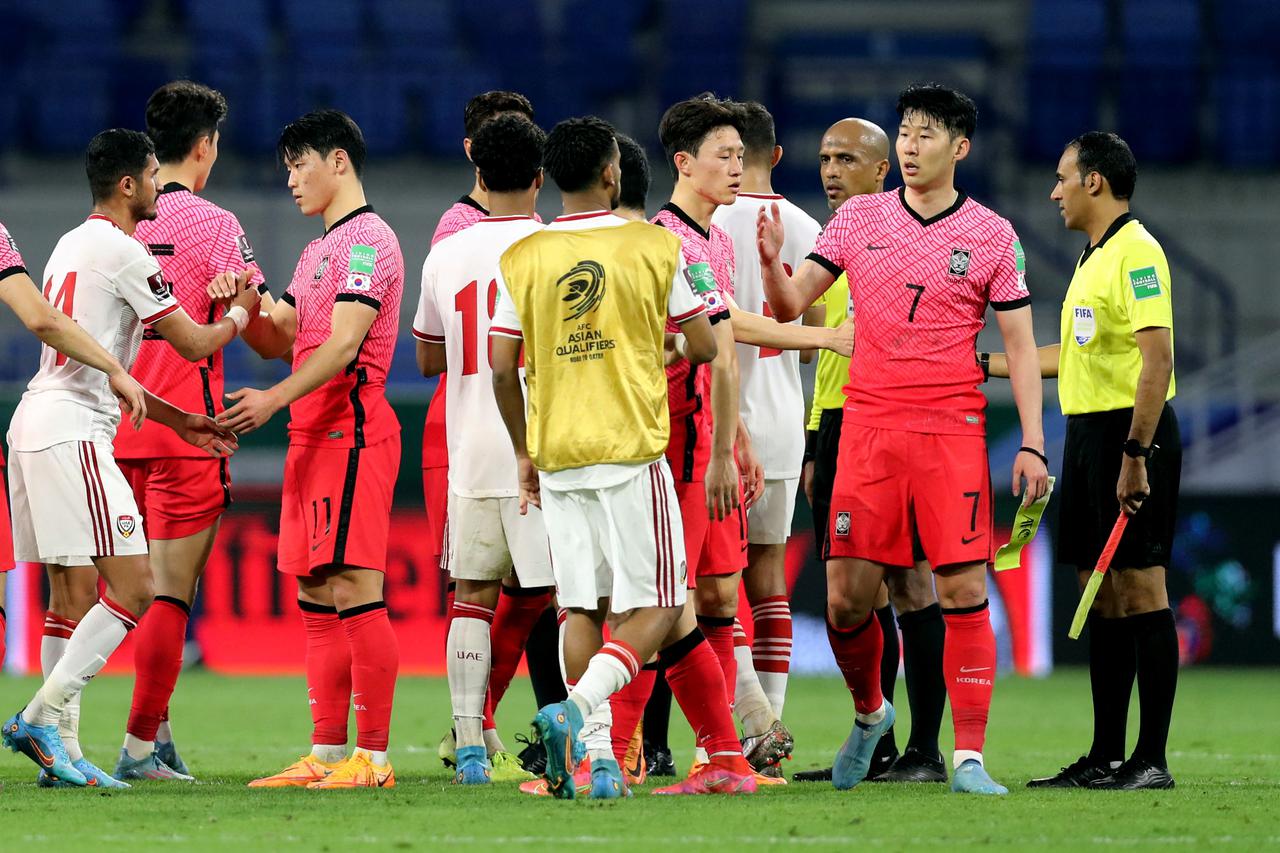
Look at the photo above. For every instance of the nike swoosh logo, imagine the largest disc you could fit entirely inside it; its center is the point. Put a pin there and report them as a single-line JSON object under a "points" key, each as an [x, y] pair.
{"points": [[974, 668], [966, 541], [872, 248], [46, 760]]}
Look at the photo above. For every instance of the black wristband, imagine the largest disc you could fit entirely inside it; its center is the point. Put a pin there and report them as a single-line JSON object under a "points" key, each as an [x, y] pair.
{"points": [[1034, 452], [984, 361], [810, 445]]}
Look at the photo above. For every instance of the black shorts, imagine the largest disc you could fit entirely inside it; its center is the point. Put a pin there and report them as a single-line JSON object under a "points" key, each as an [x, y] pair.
{"points": [[1088, 506], [825, 453]]}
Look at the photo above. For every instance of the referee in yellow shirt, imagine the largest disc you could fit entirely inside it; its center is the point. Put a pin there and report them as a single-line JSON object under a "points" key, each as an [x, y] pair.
{"points": [[1115, 376], [854, 160]]}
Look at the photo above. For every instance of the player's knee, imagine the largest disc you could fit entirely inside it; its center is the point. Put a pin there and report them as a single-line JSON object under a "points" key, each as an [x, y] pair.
{"points": [[1140, 591], [845, 610], [713, 597], [911, 589]]}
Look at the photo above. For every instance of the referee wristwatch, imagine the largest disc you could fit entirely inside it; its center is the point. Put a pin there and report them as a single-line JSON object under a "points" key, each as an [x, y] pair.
{"points": [[1134, 449]]}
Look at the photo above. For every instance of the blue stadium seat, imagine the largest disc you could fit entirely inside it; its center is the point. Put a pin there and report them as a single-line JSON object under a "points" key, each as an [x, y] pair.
{"points": [[1246, 97], [69, 103], [1160, 88], [254, 88], [229, 27], [1066, 41]]}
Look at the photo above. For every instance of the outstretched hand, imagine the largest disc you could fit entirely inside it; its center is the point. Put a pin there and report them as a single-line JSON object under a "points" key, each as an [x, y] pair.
{"points": [[769, 234], [205, 433]]}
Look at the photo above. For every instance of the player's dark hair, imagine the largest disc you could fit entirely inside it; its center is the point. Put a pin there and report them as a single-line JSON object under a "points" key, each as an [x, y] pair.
{"points": [[508, 153], [634, 192], [323, 131], [489, 105], [181, 113], [758, 135], [685, 125], [1109, 156], [952, 109], [112, 155], [576, 150]]}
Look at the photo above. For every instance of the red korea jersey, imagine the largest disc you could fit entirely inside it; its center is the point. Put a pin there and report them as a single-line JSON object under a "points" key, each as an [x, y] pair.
{"points": [[193, 240], [919, 289], [10, 264], [357, 260]]}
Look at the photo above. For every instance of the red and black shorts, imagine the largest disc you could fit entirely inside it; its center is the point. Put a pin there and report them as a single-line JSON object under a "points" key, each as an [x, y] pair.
{"points": [[178, 495]]}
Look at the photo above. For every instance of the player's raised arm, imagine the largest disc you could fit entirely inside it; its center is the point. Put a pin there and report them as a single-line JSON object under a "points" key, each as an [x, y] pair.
{"points": [[1024, 373], [788, 295]]}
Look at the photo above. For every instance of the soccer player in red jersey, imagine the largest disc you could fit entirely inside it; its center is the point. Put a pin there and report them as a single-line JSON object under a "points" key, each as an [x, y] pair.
{"points": [[923, 263], [60, 333], [339, 317], [181, 493]]}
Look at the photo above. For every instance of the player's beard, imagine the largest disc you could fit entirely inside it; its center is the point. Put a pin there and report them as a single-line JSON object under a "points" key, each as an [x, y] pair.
{"points": [[617, 197], [145, 213]]}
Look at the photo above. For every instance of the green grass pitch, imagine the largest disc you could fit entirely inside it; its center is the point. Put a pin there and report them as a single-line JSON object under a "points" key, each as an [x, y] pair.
{"points": [[1225, 756]]}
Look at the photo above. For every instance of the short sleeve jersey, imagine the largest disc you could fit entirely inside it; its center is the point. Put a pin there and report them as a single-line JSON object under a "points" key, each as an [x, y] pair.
{"points": [[464, 213], [357, 260], [1120, 287], [708, 257], [193, 240], [10, 260], [455, 308], [920, 289], [771, 399], [106, 281]]}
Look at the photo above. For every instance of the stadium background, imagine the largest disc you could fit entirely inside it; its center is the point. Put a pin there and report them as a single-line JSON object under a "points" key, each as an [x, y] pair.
{"points": [[1193, 85]]}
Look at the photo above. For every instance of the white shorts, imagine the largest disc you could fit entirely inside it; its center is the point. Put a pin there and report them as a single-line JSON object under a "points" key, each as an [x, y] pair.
{"points": [[485, 538], [71, 502], [769, 520], [624, 543]]}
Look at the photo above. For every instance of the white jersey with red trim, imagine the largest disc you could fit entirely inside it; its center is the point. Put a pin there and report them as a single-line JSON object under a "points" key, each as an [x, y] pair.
{"points": [[459, 295], [111, 286], [771, 399]]}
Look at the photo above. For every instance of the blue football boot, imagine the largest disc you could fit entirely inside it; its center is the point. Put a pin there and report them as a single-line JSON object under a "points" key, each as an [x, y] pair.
{"points": [[43, 745], [972, 778], [853, 760], [473, 766], [96, 776], [557, 726], [606, 780]]}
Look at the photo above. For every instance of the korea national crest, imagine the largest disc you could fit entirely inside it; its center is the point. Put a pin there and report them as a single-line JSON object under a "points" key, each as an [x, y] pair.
{"points": [[959, 262], [126, 524], [842, 524]]}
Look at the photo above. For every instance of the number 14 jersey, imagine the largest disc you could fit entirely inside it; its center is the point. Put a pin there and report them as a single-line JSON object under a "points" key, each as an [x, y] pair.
{"points": [[459, 295], [919, 290]]}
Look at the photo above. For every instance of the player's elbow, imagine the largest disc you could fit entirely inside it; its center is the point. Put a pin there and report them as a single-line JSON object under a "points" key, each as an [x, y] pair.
{"points": [[700, 348], [42, 324], [784, 311]]}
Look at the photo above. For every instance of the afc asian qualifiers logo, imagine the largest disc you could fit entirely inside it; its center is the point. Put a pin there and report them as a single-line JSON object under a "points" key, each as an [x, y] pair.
{"points": [[842, 524], [126, 525], [586, 288], [159, 286], [959, 264]]}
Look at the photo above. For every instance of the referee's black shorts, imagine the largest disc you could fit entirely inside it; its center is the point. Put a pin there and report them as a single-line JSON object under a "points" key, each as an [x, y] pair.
{"points": [[1088, 509], [825, 452]]}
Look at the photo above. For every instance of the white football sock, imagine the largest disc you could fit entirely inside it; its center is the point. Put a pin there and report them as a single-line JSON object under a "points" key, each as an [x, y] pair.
{"points": [[749, 702], [960, 756], [468, 656], [51, 649], [774, 686], [605, 676], [329, 753], [137, 748], [874, 717], [99, 634], [492, 742], [377, 756], [596, 732]]}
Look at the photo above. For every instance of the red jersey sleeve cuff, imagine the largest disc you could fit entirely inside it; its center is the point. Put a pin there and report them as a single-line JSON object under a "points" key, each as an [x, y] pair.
{"points": [[427, 338], [1012, 304], [827, 265], [503, 332], [160, 315], [688, 315]]}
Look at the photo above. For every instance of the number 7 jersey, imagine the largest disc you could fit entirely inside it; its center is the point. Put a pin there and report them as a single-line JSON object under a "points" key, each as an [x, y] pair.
{"points": [[919, 290], [459, 295]]}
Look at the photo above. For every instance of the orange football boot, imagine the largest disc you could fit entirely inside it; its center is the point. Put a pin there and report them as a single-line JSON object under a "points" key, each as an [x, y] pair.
{"points": [[358, 771], [299, 774]]}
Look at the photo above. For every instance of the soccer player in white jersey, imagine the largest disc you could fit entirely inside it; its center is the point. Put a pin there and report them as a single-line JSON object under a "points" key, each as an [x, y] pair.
{"points": [[771, 404], [487, 538], [69, 498]]}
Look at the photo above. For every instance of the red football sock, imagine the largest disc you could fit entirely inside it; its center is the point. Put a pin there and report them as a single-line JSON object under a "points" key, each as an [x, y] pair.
{"points": [[375, 662], [328, 673], [719, 633], [157, 661], [857, 652], [627, 706], [969, 665], [771, 648], [517, 612], [697, 683]]}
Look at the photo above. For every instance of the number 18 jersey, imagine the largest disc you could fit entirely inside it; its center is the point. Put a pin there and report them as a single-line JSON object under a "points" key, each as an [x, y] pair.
{"points": [[459, 295], [919, 290]]}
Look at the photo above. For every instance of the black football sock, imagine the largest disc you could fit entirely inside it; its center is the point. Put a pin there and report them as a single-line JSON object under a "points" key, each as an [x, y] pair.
{"points": [[1156, 641], [542, 653], [888, 665], [923, 634], [657, 713], [1111, 674]]}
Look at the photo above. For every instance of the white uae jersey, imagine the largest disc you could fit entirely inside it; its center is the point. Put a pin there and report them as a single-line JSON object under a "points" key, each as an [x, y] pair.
{"points": [[459, 294], [111, 286], [771, 399]]}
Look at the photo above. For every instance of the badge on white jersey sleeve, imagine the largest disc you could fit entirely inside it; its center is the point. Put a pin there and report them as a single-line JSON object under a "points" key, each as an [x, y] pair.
{"points": [[142, 285]]}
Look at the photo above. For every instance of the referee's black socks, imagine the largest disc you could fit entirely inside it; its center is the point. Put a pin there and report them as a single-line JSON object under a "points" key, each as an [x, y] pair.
{"points": [[1112, 665], [1155, 637], [923, 635]]}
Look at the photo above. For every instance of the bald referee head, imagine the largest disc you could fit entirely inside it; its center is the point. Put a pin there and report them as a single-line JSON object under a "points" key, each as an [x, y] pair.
{"points": [[854, 159]]}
